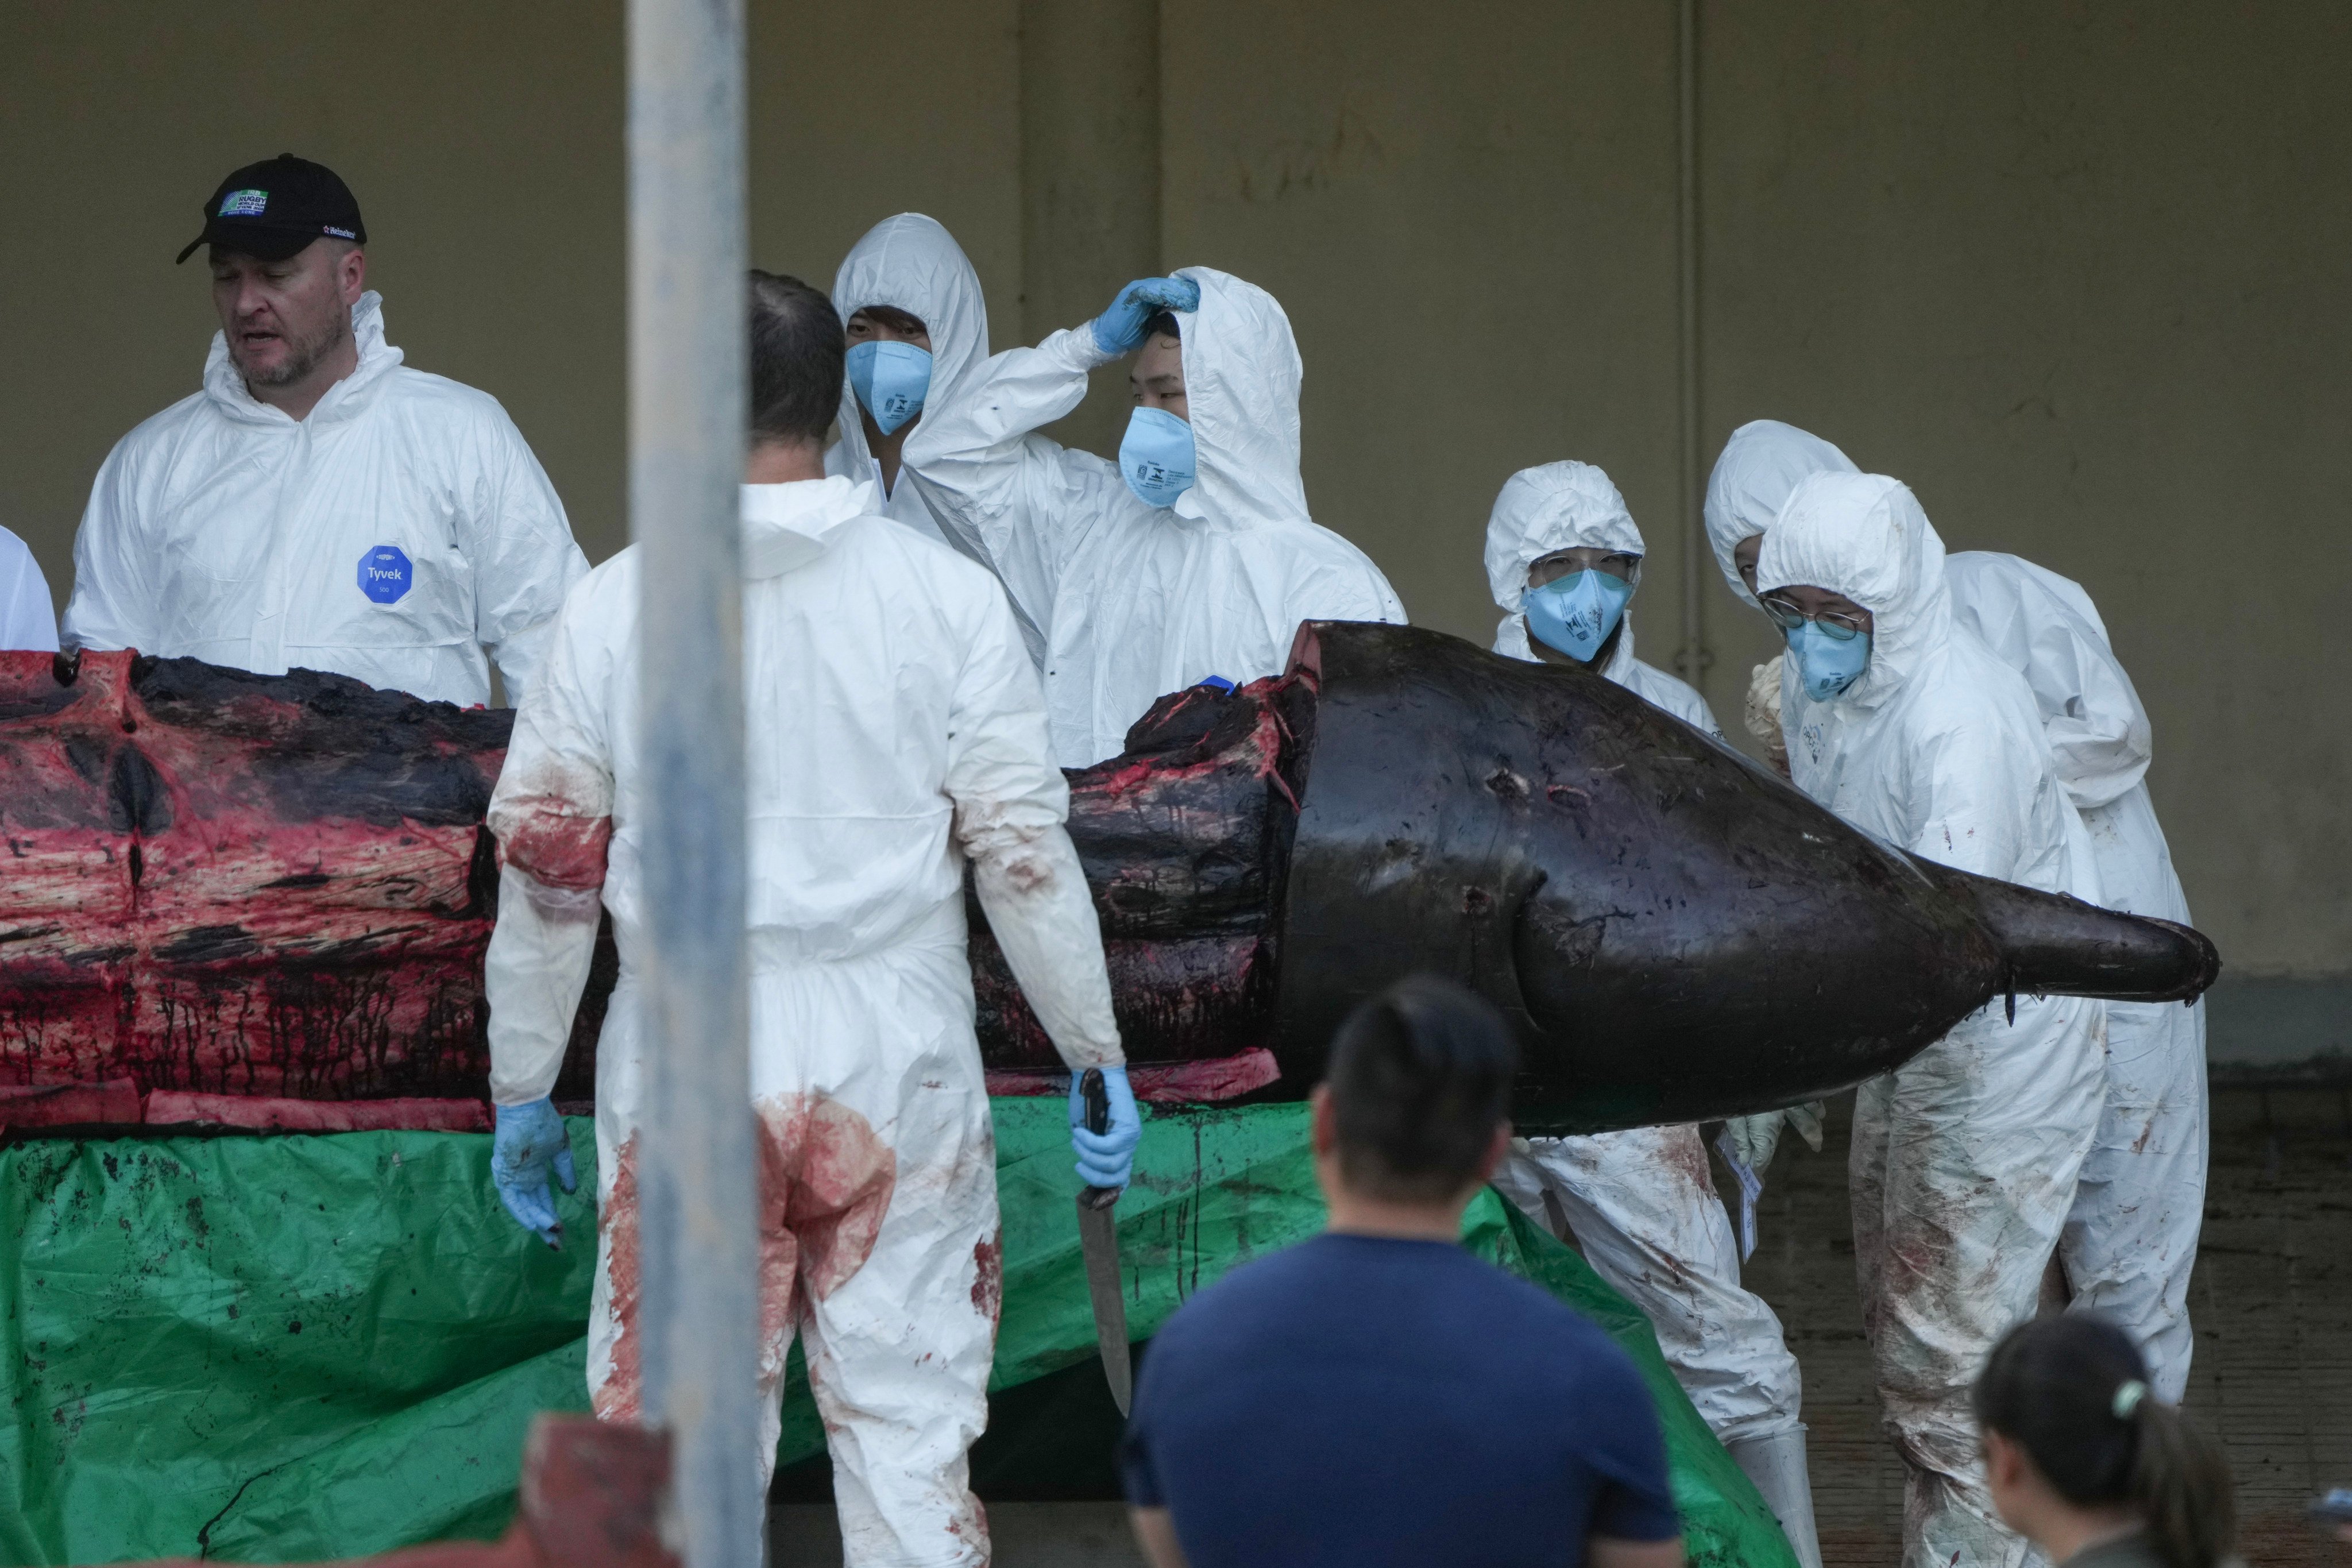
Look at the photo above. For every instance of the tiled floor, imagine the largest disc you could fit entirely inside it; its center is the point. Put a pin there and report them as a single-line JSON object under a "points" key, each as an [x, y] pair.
{"points": [[2273, 1304]]}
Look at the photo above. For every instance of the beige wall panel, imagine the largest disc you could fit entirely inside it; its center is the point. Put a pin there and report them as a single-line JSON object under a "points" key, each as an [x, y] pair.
{"points": [[1090, 180], [1468, 213], [2078, 274], [858, 115]]}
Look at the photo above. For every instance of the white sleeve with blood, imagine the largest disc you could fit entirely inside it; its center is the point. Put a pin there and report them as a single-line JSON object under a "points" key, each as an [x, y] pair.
{"points": [[1011, 801], [978, 459], [552, 815], [1034, 893], [536, 968]]}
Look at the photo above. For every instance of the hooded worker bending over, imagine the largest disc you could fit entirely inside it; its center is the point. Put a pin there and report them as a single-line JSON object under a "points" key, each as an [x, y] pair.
{"points": [[318, 504], [2130, 1243], [1563, 558], [1192, 557], [1965, 1159], [894, 731]]}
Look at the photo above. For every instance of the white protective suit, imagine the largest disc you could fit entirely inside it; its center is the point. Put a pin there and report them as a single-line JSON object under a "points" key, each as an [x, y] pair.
{"points": [[912, 263], [2131, 1240], [1965, 1158], [394, 535], [895, 728], [1138, 601], [1759, 464], [29, 618], [1641, 1204]]}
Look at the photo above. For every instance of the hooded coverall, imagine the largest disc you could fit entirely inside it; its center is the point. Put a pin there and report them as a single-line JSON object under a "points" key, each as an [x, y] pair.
{"points": [[1965, 1158], [1137, 601], [397, 534], [912, 263], [893, 731], [2131, 1241]]}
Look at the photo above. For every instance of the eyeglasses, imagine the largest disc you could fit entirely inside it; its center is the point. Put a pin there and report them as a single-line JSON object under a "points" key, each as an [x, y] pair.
{"points": [[1836, 624], [1623, 565]]}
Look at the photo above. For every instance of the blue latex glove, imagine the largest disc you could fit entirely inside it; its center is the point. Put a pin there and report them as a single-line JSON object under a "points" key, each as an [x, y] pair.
{"points": [[1119, 330], [531, 1143], [1106, 1158]]}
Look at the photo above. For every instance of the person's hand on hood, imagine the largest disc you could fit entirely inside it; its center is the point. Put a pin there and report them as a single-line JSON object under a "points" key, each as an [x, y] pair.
{"points": [[1119, 330]]}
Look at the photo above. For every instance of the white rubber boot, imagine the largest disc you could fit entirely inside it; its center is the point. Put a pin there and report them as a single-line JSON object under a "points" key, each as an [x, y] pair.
{"points": [[1777, 1465]]}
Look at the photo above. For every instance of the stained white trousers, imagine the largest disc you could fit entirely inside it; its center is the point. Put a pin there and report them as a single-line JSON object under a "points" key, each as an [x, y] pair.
{"points": [[1643, 1206], [1963, 1172], [2131, 1241], [880, 1243]]}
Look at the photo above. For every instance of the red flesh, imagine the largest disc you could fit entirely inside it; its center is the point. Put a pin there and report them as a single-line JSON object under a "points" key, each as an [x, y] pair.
{"points": [[177, 914], [221, 887]]}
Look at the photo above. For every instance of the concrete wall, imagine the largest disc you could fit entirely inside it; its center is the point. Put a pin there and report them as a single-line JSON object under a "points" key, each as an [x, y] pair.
{"points": [[1469, 215], [2075, 272]]}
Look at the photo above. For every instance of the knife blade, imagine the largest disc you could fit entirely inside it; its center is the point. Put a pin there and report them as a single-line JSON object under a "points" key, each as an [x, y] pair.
{"points": [[1099, 1236]]}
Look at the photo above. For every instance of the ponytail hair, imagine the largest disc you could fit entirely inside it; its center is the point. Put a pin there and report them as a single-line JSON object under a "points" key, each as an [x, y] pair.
{"points": [[2072, 1391]]}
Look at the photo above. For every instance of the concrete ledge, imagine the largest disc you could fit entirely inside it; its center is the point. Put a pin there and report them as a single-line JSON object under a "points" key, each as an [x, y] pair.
{"points": [[2262, 1031]]}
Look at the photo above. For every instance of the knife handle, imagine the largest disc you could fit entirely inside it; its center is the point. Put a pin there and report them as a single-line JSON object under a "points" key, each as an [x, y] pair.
{"points": [[1098, 1102], [1097, 1099]]}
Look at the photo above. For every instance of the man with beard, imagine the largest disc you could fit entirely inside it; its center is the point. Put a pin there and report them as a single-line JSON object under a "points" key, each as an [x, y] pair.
{"points": [[318, 505]]}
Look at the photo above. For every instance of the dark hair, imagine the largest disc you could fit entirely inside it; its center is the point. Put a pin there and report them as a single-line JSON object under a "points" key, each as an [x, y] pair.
{"points": [[1419, 1079], [796, 352], [1162, 323], [2072, 1391]]}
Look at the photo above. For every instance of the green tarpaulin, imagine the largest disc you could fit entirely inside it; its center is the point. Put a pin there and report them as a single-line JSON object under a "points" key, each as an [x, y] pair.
{"points": [[294, 1348]]}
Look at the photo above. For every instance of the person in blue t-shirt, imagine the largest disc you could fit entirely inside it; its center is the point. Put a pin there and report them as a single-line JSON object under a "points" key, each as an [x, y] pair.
{"points": [[1377, 1394]]}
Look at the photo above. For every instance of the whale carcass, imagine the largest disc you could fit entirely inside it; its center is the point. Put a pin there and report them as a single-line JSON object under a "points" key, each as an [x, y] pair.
{"points": [[225, 887]]}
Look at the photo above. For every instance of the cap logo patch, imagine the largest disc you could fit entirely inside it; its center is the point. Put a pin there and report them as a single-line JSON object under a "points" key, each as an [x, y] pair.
{"points": [[339, 233], [245, 204], [385, 573]]}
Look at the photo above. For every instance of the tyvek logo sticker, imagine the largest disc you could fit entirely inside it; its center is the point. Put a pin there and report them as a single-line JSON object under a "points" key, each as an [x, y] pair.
{"points": [[245, 204], [385, 573]]}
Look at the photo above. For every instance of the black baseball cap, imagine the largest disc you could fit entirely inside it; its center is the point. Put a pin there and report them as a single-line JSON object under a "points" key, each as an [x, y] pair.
{"points": [[273, 209]]}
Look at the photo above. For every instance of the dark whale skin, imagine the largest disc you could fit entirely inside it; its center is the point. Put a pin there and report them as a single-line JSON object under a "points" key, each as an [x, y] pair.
{"points": [[1676, 933]]}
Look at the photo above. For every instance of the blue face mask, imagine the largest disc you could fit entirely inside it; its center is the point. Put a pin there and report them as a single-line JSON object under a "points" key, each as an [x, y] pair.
{"points": [[1827, 665], [1575, 614], [1156, 458], [891, 379]]}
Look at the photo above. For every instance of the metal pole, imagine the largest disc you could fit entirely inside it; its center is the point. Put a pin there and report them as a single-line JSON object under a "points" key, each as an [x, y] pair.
{"points": [[698, 1302], [1693, 659]]}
